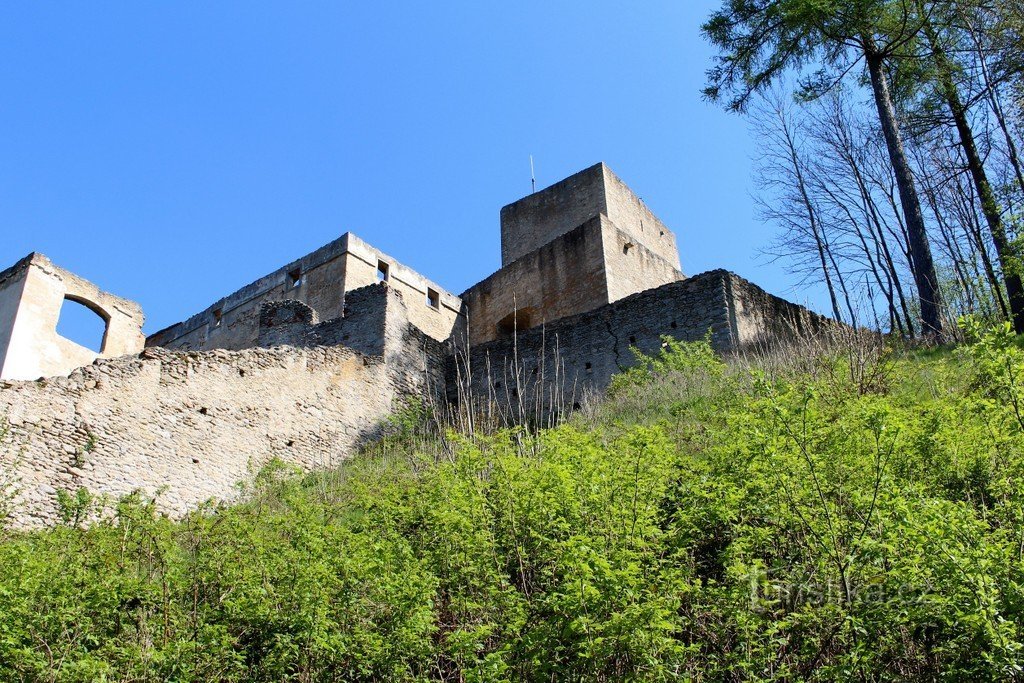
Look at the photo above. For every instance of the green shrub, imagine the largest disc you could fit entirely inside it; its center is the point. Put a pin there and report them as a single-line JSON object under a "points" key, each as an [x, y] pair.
{"points": [[674, 357], [704, 523]]}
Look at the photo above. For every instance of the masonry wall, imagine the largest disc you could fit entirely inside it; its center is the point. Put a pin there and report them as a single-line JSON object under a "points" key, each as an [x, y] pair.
{"points": [[325, 276], [564, 277], [590, 266], [631, 267], [556, 366], [537, 219], [375, 324], [190, 425], [632, 216], [763, 321], [436, 321], [195, 424], [563, 361], [232, 322], [541, 217], [32, 294]]}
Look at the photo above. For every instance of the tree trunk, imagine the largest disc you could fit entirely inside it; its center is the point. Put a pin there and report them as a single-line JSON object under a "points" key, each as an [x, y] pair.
{"points": [[813, 222], [987, 198], [996, 106], [924, 267], [956, 256], [805, 199]]}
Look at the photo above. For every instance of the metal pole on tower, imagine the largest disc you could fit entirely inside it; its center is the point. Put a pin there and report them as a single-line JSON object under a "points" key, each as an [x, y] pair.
{"points": [[533, 179]]}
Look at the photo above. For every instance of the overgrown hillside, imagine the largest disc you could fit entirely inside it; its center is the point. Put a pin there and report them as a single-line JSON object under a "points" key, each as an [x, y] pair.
{"points": [[851, 513]]}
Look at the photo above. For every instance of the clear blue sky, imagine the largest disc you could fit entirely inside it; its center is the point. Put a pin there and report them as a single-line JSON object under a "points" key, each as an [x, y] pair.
{"points": [[173, 152]]}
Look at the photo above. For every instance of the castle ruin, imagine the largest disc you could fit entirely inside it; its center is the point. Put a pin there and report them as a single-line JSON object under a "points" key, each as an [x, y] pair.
{"points": [[306, 362]]}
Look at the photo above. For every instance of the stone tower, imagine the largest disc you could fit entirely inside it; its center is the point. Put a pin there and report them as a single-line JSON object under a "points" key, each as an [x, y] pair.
{"points": [[575, 246]]}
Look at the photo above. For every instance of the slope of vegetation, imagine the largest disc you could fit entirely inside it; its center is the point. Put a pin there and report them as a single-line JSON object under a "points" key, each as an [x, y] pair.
{"points": [[846, 514]]}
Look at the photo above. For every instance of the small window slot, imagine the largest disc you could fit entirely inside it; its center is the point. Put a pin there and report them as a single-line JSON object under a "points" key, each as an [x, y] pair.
{"points": [[383, 271], [433, 299], [294, 278]]}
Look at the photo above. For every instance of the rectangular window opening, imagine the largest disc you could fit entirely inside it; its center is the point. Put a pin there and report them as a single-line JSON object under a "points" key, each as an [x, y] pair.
{"points": [[433, 299], [382, 271], [218, 316], [294, 278]]}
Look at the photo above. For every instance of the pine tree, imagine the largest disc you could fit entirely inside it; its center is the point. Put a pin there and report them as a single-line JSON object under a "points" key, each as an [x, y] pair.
{"points": [[761, 40]]}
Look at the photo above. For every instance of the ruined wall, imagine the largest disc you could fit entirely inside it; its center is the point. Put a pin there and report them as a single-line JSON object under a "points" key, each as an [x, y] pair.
{"points": [[437, 321], [564, 277], [762, 320], [563, 361], [578, 271], [320, 280], [539, 218], [32, 293], [631, 267], [198, 423], [376, 323]]}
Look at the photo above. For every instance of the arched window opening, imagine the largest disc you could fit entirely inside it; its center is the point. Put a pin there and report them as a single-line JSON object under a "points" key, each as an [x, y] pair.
{"points": [[83, 324], [515, 323]]}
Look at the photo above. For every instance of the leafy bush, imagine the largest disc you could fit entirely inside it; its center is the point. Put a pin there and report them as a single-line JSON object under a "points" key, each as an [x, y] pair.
{"points": [[675, 357], [707, 522]]}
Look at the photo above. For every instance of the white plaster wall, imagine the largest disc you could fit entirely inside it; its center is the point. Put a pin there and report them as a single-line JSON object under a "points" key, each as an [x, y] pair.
{"points": [[34, 349]]}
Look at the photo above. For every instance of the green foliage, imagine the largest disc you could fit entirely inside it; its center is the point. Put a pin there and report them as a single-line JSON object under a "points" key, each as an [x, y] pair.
{"points": [[759, 41], [674, 357], [74, 508], [706, 522], [998, 365]]}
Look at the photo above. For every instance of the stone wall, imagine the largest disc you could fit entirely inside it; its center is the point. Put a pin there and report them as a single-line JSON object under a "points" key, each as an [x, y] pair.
{"points": [[585, 268], [320, 280], [558, 364], [32, 295], [437, 320], [190, 425], [555, 366], [631, 267], [539, 218], [564, 277], [193, 424], [631, 215], [763, 321]]}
